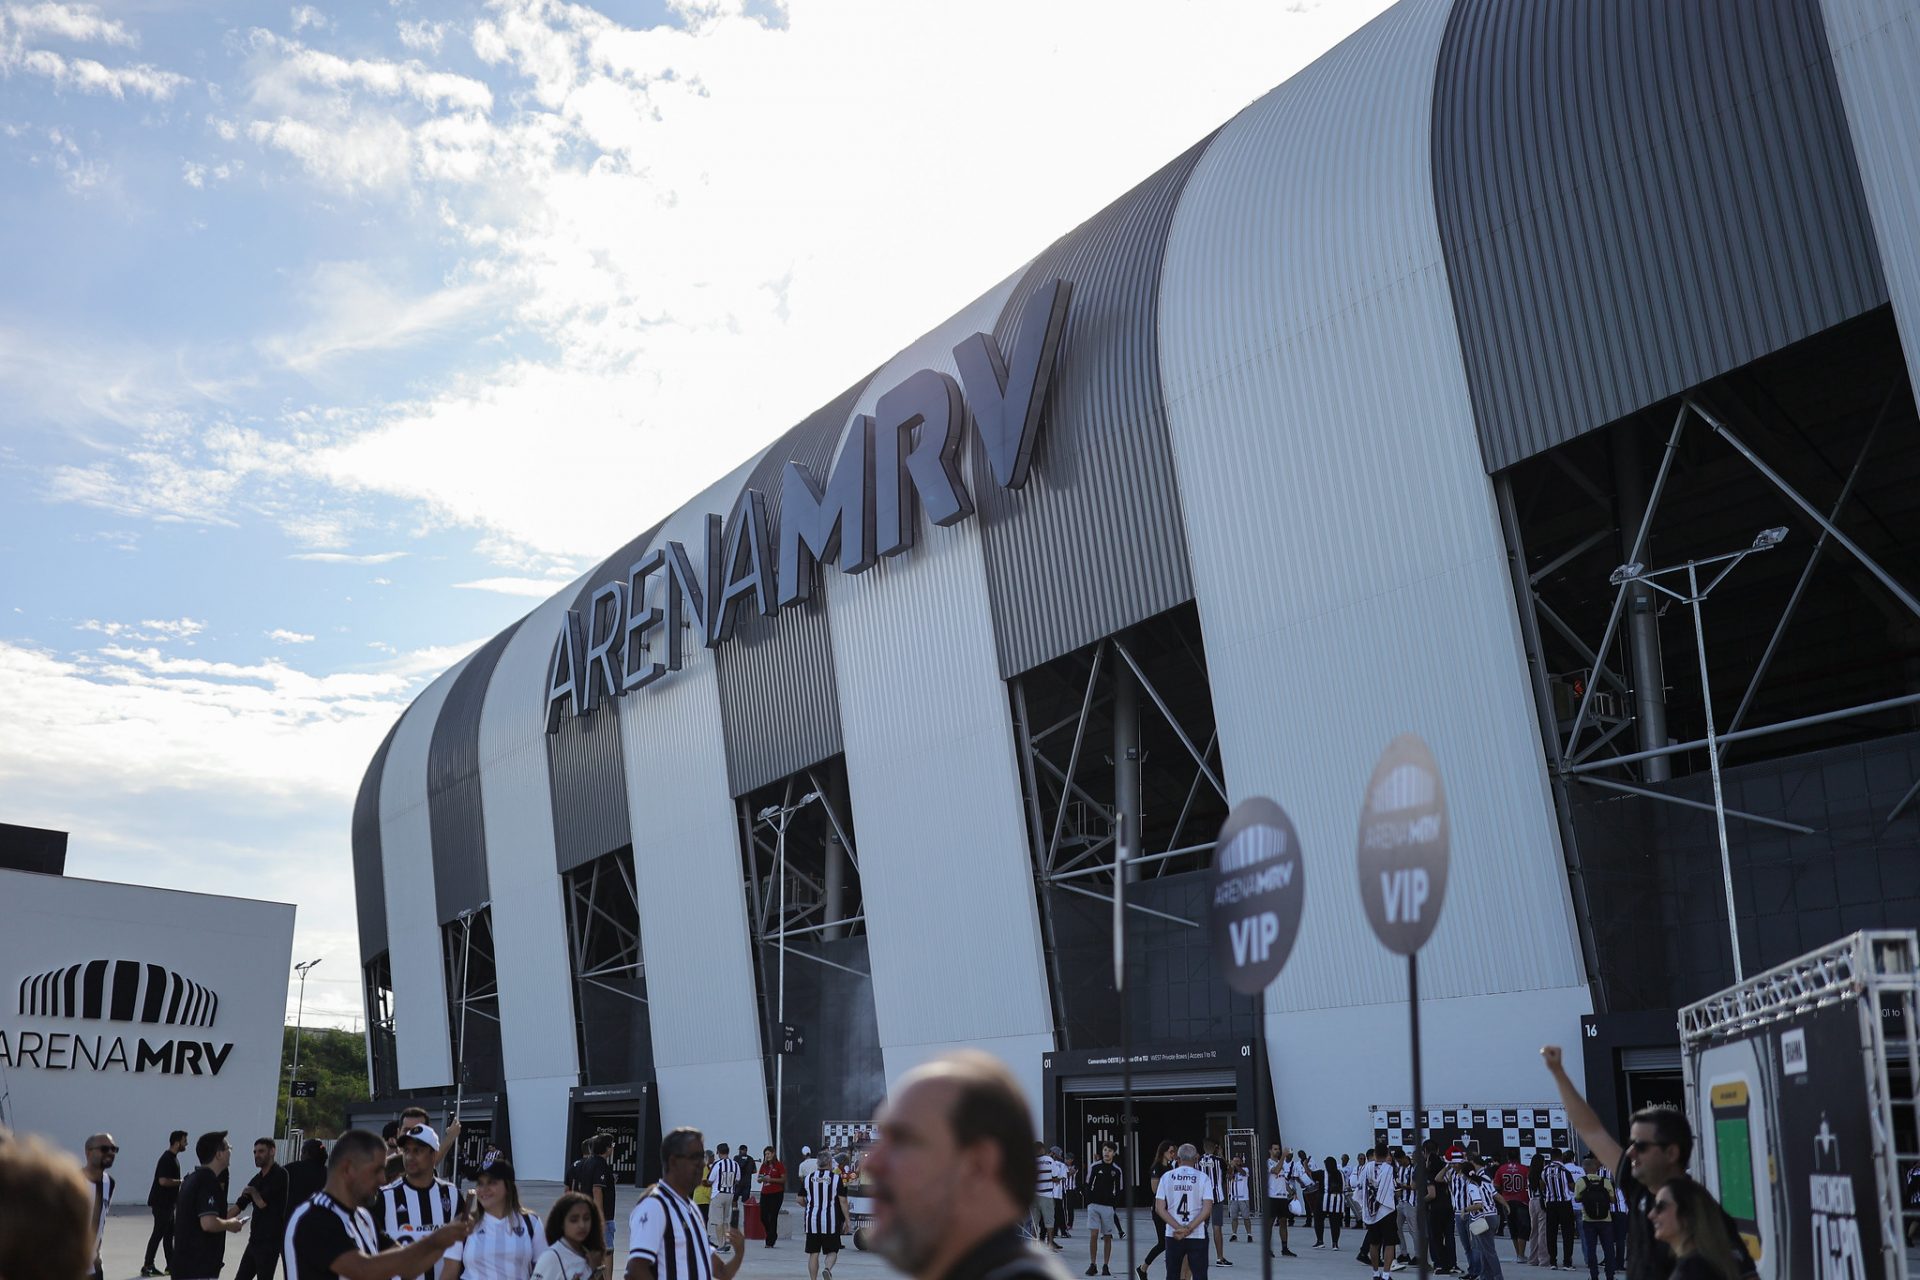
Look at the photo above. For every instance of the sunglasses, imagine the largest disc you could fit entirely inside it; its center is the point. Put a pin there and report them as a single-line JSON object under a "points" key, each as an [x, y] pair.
{"points": [[1640, 1144], [1659, 1207]]}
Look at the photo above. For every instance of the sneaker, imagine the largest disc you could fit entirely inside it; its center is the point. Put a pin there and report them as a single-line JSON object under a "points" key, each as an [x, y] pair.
{"points": [[1318, 1245], [1092, 1270], [1288, 1253], [1105, 1272], [1222, 1262], [1141, 1272]]}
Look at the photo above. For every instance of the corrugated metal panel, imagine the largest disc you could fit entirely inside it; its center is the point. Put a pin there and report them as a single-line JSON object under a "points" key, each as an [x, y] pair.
{"points": [[1636, 197], [1348, 563], [529, 918], [701, 1000], [369, 883], [589, 774], [1093, 543], [952, 929], [422, 1053], [777, 697], [453, 787], [1876, 55]]}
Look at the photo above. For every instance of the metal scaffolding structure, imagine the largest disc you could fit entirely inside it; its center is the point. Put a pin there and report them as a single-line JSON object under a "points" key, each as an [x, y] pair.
{"points": [[798, 884]]}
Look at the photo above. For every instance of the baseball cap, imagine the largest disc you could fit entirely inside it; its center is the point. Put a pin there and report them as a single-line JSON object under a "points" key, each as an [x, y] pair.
{"points": [[421, 1134], [806, 1151], [1054, 1150], [497, 1169]]}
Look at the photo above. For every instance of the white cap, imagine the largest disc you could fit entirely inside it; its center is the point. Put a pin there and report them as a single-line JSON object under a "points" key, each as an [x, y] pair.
{"points": [[422, 1134], [806, 1151]]}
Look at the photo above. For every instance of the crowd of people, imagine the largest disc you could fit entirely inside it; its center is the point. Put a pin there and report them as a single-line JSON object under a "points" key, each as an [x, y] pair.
{"points": [[955, 1185]]}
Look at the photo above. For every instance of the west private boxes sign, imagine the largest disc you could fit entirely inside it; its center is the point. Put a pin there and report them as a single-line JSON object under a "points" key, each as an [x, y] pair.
{"points": [[906, 454]]}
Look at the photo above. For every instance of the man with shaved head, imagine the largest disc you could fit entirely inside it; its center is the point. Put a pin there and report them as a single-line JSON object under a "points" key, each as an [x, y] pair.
{"points": [[101, 1150], [953, 1175]]}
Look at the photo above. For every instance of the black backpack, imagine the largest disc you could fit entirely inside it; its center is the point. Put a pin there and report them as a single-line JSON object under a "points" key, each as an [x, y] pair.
{"points": [[1596, 1200]]}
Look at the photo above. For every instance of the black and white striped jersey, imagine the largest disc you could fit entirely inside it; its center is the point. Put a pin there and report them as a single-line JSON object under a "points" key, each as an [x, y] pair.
{"points": [[1210, 1169], [408, 1212], [500, 1248], [669, 1234], [1556, 1183], [1403, 1184], [319, 1231], [720, 1177], [823, 1191]]}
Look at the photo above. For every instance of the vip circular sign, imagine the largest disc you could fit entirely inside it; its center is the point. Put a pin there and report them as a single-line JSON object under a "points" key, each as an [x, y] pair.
{"points": [[1257, 894], [1404, 846]]}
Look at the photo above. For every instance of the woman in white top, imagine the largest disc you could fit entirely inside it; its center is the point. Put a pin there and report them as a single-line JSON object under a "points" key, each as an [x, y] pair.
{"points": [[505, 1238], [574, 1233]]}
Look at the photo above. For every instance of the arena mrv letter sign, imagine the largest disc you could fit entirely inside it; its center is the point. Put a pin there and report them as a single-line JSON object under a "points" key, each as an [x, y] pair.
{"points": [[905, 455]]}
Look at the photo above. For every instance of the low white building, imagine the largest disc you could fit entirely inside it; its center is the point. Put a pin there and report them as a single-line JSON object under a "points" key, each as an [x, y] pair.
{"points": [[138, 1011]]}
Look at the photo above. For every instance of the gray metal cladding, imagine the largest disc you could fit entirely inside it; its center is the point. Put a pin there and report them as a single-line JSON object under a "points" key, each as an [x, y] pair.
{"points": [[778, 701], [584, 758], [1636, 196], [369, 882], [1094, 542], [1876, 57], [453, 787]]}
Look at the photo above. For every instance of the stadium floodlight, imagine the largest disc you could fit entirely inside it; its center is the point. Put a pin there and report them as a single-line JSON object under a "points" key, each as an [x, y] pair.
{"points": [[1625, 573], [1770, 537]]}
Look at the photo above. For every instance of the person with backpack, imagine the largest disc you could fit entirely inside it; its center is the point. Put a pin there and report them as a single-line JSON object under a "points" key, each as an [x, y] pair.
{"points": [[1594, 1193]]}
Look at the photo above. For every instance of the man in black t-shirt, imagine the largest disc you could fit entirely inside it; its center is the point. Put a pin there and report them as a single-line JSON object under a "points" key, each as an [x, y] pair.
{"points": [[1660, 1142], [307, 1174], [267, 1193], [331, 1234], [203, 1219], [162, 1196], [596, 1181]]}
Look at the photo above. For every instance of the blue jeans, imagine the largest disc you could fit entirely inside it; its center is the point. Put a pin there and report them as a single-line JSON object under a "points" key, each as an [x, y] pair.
{"points": [[1604, 1233], [1486, 1255], [1468, 1260], [1192, 1251]]}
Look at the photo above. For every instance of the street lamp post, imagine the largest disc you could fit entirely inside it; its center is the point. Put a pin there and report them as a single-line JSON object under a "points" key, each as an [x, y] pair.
{"points": [[1765, 540], [299, 1023], [782, 815]]}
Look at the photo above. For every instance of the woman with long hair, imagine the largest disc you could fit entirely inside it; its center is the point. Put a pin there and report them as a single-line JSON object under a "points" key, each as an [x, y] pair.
{"points": [[575, 1236], [505, 1238], [773, 1191], [1538, 1254], [1688, 1220], [1162, 1161], [1327, 1210]]}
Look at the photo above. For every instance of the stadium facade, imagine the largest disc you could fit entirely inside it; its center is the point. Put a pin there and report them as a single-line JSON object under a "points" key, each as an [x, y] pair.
{"points": [[1337, 426]]}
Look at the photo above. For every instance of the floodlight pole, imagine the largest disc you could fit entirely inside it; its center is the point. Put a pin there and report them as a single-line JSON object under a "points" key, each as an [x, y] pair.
{"points": [[299, 1018], [1630, 573], [783, 815]]}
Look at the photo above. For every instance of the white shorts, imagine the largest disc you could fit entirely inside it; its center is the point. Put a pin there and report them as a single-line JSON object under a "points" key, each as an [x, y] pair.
{"points": [[1105, 1221]]}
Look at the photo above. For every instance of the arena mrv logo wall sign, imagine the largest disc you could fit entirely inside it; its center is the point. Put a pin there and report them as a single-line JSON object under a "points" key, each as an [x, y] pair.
{"points": [[113, 991], [906, 454]]}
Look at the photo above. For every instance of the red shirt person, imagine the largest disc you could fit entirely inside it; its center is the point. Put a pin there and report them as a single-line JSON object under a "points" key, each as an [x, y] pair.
{"points": [[1510, 1180], [773, 1190]]}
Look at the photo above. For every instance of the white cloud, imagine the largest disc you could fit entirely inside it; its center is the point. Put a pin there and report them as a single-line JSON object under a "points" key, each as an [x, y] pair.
{"points": [[194, 175], [280, 635], [177, 628], [89, 76], [81, 23], [423, 36], [536, 588], [338, 557], [357, 310], [305, 15]]}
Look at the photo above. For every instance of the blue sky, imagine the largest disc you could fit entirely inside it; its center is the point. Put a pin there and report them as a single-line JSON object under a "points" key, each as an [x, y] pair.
{"points": [[334, 336]]}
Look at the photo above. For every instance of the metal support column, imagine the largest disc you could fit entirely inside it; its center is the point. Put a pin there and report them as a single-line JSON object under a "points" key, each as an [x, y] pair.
{"points": [[1643, 618], [1126, 758]]}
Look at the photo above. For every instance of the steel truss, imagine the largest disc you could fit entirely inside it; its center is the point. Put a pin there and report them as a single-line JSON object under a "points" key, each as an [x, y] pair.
{"points": [[377, 978], [1880, 970], [786, 886], [1575, 760], [603, 927], [467, 943]]}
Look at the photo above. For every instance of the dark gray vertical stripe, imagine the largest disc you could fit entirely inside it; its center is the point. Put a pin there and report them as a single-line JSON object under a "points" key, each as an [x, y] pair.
{"points": [[1095, 542], [779, 705], [150, 1007], [369, 872], [1635, 197], [584, 759], [457, 823]]}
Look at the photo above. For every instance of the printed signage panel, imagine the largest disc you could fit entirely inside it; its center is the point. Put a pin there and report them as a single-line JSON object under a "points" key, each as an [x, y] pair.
{"points": [[1786, 1145], [1404, 846], [1258, 893]]}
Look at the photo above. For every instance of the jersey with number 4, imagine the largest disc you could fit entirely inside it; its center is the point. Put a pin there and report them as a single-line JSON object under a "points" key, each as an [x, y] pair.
{"points": [[1186, 1192]]}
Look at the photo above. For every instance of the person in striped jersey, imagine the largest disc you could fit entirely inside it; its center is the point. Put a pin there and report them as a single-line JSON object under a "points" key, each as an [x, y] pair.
{"points": [[666, 1236], [505, 1239], [1214, 1170], [419, 1201], [823, 1208], [720, 1181], [331, 1234], [1556, 1189]]}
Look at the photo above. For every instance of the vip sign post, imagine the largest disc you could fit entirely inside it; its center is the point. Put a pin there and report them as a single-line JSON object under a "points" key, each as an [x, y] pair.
{"points": [[1259, 892], [1404, 850]]}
